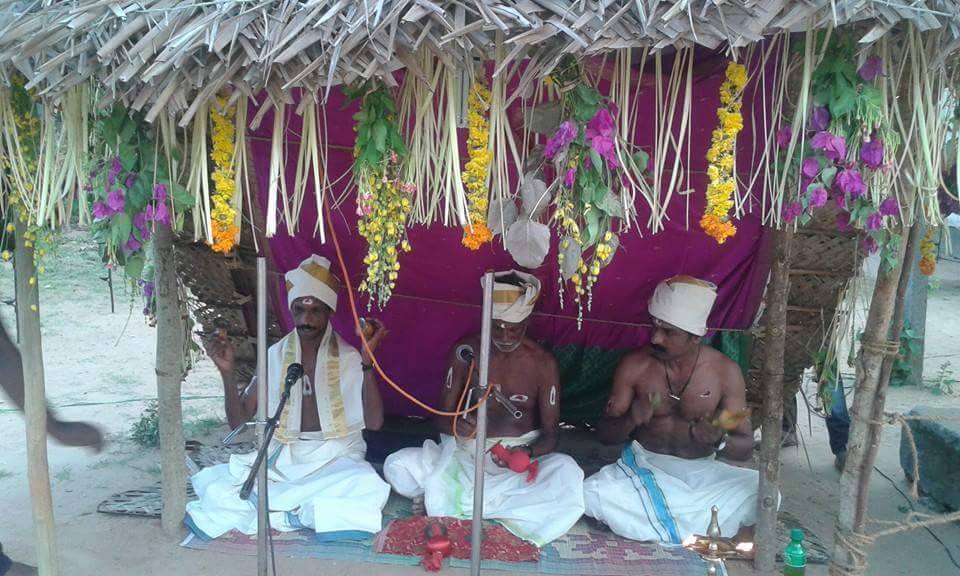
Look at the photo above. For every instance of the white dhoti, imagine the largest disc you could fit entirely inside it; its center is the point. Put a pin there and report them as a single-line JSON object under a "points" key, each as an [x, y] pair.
{"points": [[650, 496], [443, 474], [324, 485]]}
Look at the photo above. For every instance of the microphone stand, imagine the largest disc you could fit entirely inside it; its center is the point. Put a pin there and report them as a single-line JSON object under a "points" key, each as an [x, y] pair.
{"points": [[271, 426]]}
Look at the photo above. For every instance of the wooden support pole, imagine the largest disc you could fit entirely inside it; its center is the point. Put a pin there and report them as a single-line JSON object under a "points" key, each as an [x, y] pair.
{"points": [[910, 258], [768, 497], [170, 373], [849, 556], [35, 404]]}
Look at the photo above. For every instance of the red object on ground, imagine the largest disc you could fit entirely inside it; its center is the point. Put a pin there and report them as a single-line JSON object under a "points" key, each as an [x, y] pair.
{"points": [[437, 547], [438, 544], [433, 561], [409, 537]]}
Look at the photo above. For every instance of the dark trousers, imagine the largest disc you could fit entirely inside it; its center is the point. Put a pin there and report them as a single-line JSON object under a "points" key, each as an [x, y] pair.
{"points": [[789, 415], [5, 562], [838, 421]]}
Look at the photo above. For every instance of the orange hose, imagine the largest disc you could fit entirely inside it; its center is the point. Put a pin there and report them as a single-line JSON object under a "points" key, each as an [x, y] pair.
{"points": [[366, 345]]}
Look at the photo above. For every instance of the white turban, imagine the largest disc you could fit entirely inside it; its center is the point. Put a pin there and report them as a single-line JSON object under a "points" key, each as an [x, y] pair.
{"points": [[684, 302], [313, 278], [513, 303]]}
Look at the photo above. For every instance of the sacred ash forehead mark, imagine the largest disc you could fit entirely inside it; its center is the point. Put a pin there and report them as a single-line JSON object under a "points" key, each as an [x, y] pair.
{"points": [[449, 382], [553, 395]]}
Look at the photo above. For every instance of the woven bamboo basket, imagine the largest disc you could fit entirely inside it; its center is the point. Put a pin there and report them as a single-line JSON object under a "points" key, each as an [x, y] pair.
{"points": [[822, 261]]}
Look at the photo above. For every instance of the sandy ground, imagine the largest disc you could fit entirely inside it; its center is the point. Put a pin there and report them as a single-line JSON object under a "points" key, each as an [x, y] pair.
{"points": [[99, 367]]}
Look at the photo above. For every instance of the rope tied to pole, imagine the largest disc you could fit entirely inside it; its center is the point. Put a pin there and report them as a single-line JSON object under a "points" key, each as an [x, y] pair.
{"points": [[857, 543], [881, 347]]}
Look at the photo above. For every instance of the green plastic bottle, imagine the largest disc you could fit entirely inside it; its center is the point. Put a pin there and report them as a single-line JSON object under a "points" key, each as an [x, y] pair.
{"points": [[794, 556]]}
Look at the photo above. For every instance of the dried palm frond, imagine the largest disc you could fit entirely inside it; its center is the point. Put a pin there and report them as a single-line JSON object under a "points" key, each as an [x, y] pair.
{"points": [[156, 54]]}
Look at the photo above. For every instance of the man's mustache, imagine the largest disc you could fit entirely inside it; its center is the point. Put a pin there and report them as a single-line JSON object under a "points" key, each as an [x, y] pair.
{"points": [[658, 348], [306, 327]]}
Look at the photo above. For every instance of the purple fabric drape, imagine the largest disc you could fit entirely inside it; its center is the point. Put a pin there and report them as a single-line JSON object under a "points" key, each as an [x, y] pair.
{"points": [[438, 294]]}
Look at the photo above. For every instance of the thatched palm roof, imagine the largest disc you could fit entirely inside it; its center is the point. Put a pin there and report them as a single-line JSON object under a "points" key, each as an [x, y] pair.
{"points": [[174, 54]]}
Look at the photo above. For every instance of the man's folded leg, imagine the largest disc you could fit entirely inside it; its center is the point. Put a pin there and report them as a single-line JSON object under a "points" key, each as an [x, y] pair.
{"points": [[407, 469], [347, 495], [538, 512], [649, 496]]}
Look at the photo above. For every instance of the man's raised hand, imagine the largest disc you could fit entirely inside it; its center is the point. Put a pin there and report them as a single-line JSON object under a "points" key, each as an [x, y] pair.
{"points": [[223, 354], [374, 331]]}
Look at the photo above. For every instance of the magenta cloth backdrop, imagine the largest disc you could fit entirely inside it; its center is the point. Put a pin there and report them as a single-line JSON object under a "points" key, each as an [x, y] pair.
{"points": [[438, 293]]}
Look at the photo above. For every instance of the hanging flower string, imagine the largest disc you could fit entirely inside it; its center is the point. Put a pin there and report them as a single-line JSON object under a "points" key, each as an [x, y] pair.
{"points": [[383, 199], [131, 194], [26, 127], [223, 216], [928, 257], [722, 180], [588, 205], [845, 156], [477, 168]]}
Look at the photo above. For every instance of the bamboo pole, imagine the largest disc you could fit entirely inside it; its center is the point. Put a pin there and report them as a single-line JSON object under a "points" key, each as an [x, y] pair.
{"points": [[911, 254], [768, 497], [849, 556], [35, 404], [169, 378]]}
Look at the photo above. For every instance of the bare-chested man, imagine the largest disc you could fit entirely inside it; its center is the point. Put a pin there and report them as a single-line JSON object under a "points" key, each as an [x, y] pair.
{"points": [[526, 376], [681, 403], [318, 476]]}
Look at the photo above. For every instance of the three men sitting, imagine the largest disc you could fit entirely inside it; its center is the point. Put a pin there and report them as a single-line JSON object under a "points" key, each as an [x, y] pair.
{"points": [[676, 400]]}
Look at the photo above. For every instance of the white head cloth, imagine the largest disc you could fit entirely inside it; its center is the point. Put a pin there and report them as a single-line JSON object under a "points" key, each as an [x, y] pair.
{"points": [[684, 302], [313, 278], [514, 303]]}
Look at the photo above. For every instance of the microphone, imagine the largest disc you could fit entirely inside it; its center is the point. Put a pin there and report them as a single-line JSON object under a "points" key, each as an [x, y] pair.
{"points": [[294, 373], [465, 353]]}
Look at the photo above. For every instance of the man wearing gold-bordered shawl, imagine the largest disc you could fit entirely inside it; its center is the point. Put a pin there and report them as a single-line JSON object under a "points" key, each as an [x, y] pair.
{"points": [[318, 476]]}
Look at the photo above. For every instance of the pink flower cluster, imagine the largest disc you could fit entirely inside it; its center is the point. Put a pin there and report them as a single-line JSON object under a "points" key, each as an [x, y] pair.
{"points": [[600, 133]]}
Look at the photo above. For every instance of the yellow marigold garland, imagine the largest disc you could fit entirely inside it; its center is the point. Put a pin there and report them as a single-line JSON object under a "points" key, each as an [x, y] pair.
{"points": [[722, 181], [384, 209], [18, 200], [477, 233], [928, 257], [222, 215]]}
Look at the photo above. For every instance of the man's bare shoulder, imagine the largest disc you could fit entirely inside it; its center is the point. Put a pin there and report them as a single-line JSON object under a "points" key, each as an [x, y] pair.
{"points": [[537, 351], [720, 364], [639, 360]]}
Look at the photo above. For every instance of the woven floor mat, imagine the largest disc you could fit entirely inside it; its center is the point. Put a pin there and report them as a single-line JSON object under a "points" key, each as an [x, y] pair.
{"points": [[146, 502]]}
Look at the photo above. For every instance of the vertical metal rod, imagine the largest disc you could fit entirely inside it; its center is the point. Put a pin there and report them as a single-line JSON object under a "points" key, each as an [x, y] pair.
{"points": [[262, 552], [481, 440], [113, 308]]}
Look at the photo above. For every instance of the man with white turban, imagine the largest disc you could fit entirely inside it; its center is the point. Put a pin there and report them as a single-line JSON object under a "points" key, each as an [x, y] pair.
{"points": [[440, 477], [681, 404], [318, 476]]}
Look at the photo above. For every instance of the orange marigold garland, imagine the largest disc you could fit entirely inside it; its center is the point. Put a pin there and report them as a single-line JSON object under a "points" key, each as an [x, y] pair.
{"points": [[222, 214], [716, 217], [476, 233]]}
